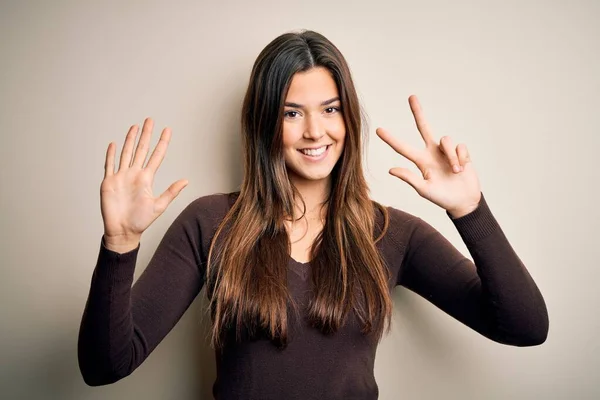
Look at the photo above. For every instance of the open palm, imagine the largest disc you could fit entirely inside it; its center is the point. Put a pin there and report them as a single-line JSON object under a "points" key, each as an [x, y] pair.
{"points": [[127, 203], [448, 177]]}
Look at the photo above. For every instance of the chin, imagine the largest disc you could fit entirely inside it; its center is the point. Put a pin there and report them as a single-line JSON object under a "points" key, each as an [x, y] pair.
{"points": [[304, 175], [316, 178], [311, 177], [299, 169]]}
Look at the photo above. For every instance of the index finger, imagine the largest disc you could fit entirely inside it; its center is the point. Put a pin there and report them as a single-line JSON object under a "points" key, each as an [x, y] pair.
{"points": [[399, 146], [422, 125]]}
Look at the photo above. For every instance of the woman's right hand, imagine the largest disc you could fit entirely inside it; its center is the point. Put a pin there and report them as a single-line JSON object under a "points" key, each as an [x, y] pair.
{"points": [[127, 204]]}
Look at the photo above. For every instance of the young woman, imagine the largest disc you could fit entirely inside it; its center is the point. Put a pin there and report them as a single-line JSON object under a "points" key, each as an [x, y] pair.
{"points": [[300, 262]]}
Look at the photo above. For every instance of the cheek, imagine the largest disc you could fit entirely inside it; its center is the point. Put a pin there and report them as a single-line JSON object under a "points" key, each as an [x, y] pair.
{"points": [[338, 131], [291, 134]]}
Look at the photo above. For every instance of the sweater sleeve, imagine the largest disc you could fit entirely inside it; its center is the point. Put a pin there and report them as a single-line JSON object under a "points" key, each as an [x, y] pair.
{"points": [[494, 295], [122, 325]]}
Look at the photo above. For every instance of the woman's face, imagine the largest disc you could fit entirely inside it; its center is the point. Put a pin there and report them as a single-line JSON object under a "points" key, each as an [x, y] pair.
{"points": [[313, 125]]}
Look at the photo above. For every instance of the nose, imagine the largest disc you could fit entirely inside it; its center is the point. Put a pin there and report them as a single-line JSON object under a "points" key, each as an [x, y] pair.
{"points": [[314, 129]]}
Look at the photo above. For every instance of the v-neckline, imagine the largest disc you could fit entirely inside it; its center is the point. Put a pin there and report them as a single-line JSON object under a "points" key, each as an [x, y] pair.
{"points": [[299, 262], [302, 269]]}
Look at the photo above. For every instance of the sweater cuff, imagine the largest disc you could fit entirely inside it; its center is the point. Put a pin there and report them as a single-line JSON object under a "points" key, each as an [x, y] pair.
{"points": [[476, 225], [116, 266]]}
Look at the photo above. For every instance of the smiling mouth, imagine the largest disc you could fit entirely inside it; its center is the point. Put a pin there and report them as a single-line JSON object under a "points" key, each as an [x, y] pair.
{"points": [[314, 152]]}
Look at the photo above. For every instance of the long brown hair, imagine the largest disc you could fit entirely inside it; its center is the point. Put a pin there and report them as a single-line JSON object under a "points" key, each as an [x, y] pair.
{"points": [[247, 271]]}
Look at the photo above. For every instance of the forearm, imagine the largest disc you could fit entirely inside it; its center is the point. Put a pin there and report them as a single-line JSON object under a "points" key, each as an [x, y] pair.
{"points": [[509, 293], [106, 330], [494, 294], [506, 292]]}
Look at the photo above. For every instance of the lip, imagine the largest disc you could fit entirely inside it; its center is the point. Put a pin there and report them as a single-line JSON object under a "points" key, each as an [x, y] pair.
{"points": [[315, 147], [315, 159]]}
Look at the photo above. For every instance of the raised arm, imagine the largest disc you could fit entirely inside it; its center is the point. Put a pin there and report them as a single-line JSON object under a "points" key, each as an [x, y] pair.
{"points": [[121, 326], [495, 295]]}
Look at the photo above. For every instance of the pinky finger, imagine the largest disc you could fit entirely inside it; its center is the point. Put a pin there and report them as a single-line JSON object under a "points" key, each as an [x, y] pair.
{"points": [[463, 155], [109, 166]]}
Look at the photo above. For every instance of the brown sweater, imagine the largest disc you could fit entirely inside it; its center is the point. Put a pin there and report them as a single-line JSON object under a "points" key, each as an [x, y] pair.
{"points": [[122, 325]]}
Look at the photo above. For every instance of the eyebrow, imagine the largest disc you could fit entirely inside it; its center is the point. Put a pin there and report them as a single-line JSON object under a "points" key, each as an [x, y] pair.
{"points": [[326, 102]]}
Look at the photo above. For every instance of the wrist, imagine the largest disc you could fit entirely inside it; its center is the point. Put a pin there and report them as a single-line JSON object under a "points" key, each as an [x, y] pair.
{"points": [[462, 211], [121, 243]]}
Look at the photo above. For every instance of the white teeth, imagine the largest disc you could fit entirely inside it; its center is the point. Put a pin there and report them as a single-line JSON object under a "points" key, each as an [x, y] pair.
{"points": [[314, 152]]}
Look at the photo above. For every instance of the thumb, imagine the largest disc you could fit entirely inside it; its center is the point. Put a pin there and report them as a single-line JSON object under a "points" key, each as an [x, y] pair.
{"points": [[409, 177], [169, 195]]}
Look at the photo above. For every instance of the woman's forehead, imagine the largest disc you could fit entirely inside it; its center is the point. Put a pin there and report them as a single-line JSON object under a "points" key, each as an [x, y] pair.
{"points": [[312, 88]]}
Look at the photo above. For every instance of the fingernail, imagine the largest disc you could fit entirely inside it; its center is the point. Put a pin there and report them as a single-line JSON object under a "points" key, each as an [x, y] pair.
{"points": [[455, 168]]}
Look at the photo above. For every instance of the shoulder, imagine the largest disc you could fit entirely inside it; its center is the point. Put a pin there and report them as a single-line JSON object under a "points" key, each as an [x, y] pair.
{"points": [[200, 219], [397, 219], [216, 203], [403, 228], [209, 209]]}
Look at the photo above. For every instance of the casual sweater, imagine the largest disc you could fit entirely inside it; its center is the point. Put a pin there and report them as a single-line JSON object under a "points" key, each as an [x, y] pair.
{"points": [[121, 325]]}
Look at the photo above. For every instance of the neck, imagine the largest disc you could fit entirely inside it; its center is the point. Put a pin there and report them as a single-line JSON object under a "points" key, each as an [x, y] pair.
{"points": [[314, 194]]}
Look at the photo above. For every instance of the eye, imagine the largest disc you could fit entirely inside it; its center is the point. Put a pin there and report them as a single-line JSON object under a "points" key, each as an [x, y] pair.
{"points": [[332, 110], [291, 114]]}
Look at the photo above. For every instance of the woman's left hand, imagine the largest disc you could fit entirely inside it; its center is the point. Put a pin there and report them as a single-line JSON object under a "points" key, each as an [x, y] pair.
{"points": [[449, 179]]}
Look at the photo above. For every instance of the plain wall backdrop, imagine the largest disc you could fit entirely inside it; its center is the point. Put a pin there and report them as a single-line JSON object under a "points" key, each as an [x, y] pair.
{"points": [[518, 82]]}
